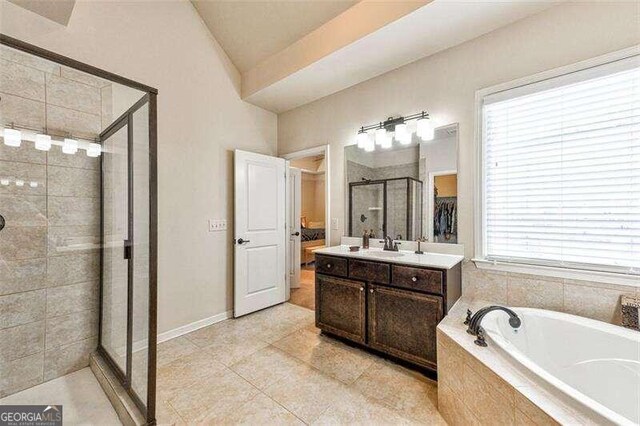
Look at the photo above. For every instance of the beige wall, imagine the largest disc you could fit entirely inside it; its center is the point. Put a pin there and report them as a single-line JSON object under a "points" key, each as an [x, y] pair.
{"points": [[313, 197], [201, 119], [445, 85]]}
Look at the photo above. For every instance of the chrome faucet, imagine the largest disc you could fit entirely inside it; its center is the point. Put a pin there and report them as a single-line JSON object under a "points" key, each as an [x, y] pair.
{"points": [[474, 321], [389, 245]]}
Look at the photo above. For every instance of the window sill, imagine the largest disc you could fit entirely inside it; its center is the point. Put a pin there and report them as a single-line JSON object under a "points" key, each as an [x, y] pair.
{"points": [[558, 272]]}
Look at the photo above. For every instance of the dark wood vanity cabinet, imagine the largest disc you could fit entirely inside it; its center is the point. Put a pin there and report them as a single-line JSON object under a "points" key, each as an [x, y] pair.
{"points": [[391, 308]]}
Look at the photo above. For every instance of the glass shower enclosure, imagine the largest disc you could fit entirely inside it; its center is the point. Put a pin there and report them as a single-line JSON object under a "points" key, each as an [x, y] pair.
{"points": [[388, 207]]}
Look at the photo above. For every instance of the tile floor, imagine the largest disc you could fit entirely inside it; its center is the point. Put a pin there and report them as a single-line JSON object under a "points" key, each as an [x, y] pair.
{"points": [[274, 367], [82, 399], [305, 295]]}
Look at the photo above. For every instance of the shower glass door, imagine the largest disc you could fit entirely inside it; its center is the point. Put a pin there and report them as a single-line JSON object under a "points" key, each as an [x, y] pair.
{"points": [[126, 225]]}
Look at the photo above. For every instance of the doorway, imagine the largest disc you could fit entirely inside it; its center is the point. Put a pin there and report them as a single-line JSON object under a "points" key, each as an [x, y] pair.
{"points": [[309, 221]]}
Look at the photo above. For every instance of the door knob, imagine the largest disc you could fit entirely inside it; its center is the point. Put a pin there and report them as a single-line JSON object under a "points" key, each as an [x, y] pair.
{"points": [[2, 222], [296, 234], [241, 241]]}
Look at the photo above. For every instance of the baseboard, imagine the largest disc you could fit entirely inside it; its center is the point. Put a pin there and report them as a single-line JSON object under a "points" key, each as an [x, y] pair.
{"points": [[177, 332]]}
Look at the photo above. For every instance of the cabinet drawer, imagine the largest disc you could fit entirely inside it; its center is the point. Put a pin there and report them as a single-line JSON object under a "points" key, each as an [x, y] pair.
{"points": [[417, 279], [331, 265], [369, 271]]}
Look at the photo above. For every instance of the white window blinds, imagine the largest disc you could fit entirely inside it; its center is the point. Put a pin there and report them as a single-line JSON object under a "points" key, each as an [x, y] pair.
{"points": [[561, 165]]}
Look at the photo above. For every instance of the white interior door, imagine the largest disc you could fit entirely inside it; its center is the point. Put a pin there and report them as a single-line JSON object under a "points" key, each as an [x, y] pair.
{"points": [[295, 238], [260, 232]]}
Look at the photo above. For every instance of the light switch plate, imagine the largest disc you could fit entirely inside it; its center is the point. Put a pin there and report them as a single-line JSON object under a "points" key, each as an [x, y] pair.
{"points": [[217, 225], [334, 223]]}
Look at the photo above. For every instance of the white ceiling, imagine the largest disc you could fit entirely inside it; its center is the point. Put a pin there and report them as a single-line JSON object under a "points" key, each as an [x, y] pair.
{"points": [[434, 27], [56, 10], [250, 31]]}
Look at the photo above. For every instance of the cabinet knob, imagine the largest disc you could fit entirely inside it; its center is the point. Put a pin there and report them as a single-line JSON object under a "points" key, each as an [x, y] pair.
{"points": [[370, 290], [361, 288], [414, 279], [328, 266]]}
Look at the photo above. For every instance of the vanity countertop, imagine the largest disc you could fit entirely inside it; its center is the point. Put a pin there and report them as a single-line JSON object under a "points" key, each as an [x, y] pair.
{"points": [[402, 257]]}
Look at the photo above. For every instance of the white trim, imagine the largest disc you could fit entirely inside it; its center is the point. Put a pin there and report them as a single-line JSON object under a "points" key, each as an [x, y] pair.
{"points": [[309, 152], [559, 272], [479, 205], [196, 325], [431, 195]]}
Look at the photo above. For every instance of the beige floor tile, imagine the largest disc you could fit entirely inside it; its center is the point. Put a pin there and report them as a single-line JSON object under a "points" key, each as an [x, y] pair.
{"points": [[173, 349], [268, 366], [407, 391], [166, 415], [307, 394], [327, 355], [177, 375], [212, 334], [229, 349], [305, 295], [261, 410], [356, 409], [217, 396]]}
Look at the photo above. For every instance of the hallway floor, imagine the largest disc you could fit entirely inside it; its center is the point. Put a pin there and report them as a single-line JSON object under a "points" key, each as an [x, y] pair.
{"points": [[305, 295], [273, 367]]}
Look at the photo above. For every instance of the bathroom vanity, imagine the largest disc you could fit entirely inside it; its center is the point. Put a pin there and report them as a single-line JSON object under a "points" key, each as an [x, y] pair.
{"points": [[387, 301]]}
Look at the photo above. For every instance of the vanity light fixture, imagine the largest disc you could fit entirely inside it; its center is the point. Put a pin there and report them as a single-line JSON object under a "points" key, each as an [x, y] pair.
{"points": [[12, 137], [70, 146], [43, 142], [398, 129], [94, 150]]}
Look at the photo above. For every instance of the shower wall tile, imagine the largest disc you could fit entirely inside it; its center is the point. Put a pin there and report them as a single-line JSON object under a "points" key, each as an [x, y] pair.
{"points": [[71, 182], [26, 112], [74, 268], [80, 160], [80, 239], [73, 211], [16, 79], [80, 124], [69, 358], [24, 210], [73, 95], [29, 60], [25, 172], [25, 153], [72, 298], [23, 242], [21, 341], [21, 374], [82, 77], [22, 275], [71, 328], [22, 308]]}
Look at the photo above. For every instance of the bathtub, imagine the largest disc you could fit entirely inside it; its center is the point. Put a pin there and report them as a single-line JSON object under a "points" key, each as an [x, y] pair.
{"points": [[594, 364]]}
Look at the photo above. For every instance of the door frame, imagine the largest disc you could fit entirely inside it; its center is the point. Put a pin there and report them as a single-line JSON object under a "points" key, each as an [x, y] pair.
{"points": [[148, 409], [319, 150]]}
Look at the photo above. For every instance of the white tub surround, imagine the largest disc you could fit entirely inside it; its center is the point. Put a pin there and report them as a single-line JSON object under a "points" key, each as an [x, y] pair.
{"points": [[485, 385], [404, 257], [595, 364]]}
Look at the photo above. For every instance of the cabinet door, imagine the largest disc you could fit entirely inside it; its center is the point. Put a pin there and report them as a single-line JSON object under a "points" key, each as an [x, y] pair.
{"points": [[340, 307], [403, 323]]}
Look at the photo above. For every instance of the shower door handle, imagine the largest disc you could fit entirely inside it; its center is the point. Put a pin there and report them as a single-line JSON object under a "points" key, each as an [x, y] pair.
{"points": [[128, 249]]}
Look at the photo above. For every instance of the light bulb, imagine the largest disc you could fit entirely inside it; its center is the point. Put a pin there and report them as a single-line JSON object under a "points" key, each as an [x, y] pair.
{"points": [[4, 182], [94, 150], [43, 142], [381, 136], [12, 137], [425, 131], [70, 146], [362, 139], [33, 184], [370, 146], [387, 142], [402, 134], [19, 182]]}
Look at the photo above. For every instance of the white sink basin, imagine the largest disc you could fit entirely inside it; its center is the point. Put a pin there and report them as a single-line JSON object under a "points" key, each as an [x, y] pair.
{"points": [[387, 254]]}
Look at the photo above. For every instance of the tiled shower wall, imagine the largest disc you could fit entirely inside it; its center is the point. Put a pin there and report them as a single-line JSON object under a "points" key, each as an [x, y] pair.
{"points": [[49, 259]]}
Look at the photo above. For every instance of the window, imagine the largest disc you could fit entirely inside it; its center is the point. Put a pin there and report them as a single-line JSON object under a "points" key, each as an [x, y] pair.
{"points": [[560, 162]]}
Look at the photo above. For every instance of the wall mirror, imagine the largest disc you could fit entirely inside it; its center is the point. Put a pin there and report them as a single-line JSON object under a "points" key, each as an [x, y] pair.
{"points": [[405, 191]]}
